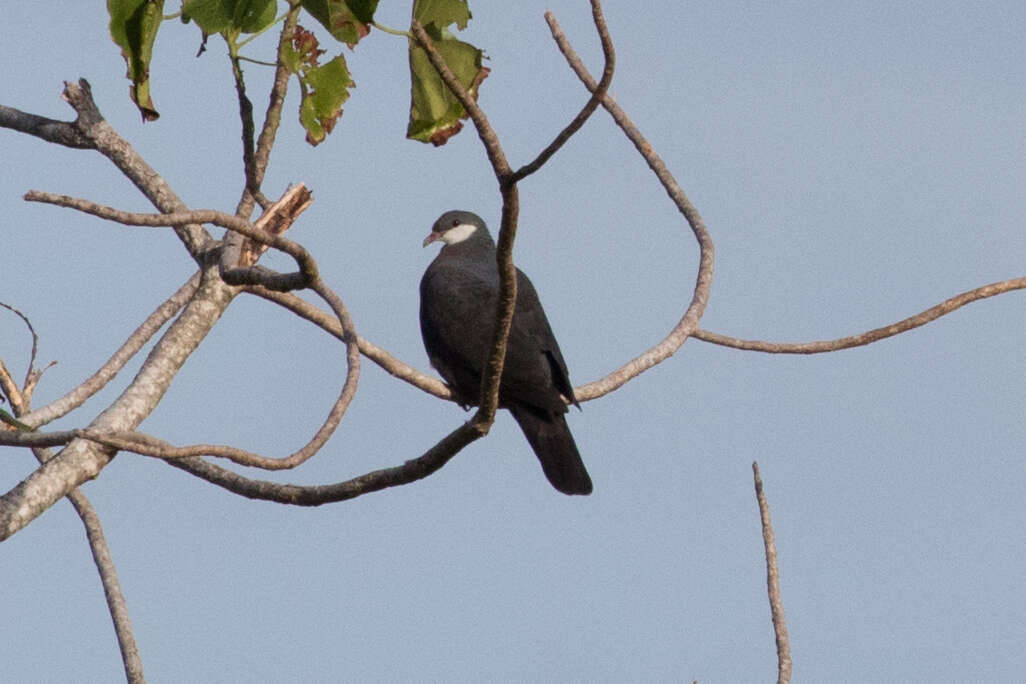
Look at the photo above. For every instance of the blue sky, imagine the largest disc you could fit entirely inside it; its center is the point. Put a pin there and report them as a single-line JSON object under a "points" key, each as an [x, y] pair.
{"points": [[854, 165]]}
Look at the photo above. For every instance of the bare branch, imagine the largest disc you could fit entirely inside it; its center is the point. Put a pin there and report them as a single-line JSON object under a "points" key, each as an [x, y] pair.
{"points": [[773, 584], [689, 323], [116, 604], [920, 319], [64, 133], [108, 371], [82, 460], [298, 495], [593, 102], [287, 281]]}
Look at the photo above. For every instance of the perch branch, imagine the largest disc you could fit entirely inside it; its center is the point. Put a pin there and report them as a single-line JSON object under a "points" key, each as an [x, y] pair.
{"points": [[489, 400]]}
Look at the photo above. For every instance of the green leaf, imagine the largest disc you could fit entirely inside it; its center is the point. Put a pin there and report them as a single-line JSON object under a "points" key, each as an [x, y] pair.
{"points": [[324, 87], [441, 13], [219, 16], [133, 27], [327, 90], [347, 20], [435, 112]]}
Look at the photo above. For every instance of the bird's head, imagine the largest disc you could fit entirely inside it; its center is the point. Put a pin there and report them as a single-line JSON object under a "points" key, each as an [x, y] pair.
{"points": [[454, 227]]}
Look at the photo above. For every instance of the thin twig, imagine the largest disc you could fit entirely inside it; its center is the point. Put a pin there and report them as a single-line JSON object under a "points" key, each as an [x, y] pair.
{"points": [[35, 342], [773, 584], [593, 102], [920, 319]]}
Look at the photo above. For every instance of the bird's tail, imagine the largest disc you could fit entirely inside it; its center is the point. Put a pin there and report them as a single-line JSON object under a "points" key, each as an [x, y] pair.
{"points": [[554, 446]]}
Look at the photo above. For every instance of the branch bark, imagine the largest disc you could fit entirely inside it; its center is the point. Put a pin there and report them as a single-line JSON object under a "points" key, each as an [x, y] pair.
{"points": [[773, 583]]}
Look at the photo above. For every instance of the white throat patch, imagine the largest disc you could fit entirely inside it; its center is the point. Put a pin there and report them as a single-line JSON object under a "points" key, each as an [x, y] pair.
{"points": [[458, 233]]}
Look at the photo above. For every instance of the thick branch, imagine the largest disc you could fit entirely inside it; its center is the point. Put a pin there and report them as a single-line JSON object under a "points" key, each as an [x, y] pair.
{"points": [[82, 460], [773, 584], [920, 319]]}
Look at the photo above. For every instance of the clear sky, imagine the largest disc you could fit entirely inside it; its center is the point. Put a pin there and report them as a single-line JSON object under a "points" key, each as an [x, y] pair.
{"points": [[855, 165]]}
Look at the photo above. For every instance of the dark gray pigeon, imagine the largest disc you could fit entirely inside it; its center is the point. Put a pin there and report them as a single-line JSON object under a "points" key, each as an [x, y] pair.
{"points": [[458, 295]]}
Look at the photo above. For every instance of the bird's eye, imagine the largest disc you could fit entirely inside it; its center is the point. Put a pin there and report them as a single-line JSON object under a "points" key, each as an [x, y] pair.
{"points": [[455, 222]]}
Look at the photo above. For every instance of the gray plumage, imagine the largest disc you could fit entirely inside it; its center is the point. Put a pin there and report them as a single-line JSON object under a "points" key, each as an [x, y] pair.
{"points": [[458, 295]]}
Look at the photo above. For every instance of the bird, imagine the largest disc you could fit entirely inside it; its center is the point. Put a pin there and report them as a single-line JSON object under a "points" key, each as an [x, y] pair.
{"points": [[458, 295]]}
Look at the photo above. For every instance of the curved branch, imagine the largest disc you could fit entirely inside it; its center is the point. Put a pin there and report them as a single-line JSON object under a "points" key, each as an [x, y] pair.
{"points": [[507, 295], [920, 319], [593, 102], [299, 495], [30, 371], [689, 322]]}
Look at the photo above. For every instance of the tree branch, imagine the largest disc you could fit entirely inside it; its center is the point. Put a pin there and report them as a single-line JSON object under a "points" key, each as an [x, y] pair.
{"points": [[82, 460], [875, 335], [507, 296], [593, 102], [116, 604], [298, 495], [773, 584], [286, 281], [64, 133]]}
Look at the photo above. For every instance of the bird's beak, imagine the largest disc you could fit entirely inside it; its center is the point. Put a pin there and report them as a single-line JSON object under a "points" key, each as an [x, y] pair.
{"points": [[432, 236]]}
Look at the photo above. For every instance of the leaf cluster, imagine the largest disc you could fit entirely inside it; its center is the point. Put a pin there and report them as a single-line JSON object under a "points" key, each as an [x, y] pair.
{"points": [[324, 83]]}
